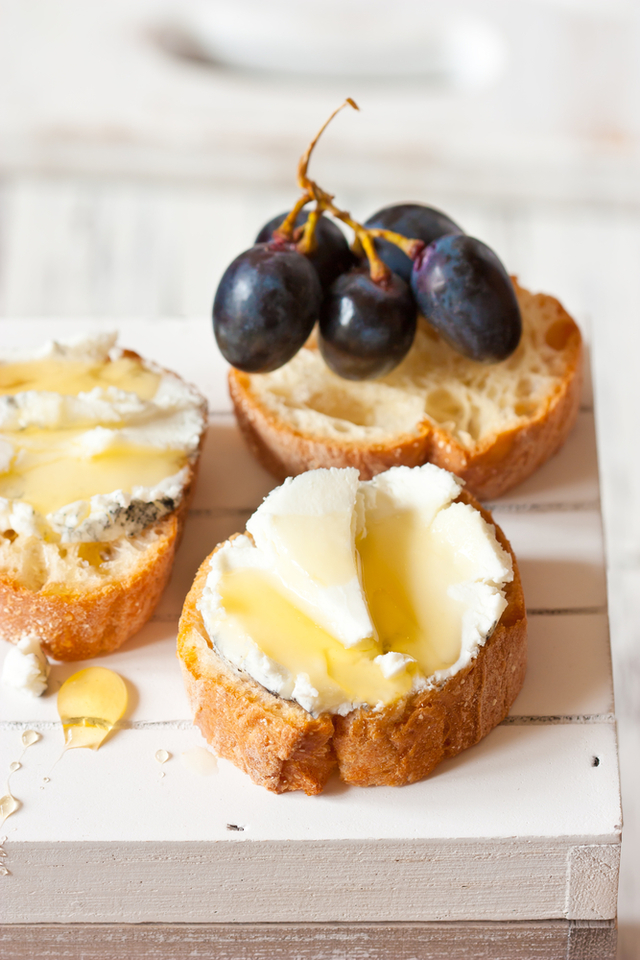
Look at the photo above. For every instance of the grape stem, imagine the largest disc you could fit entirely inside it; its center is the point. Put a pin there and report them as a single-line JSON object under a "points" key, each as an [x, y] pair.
{"points": [[364, 237]]}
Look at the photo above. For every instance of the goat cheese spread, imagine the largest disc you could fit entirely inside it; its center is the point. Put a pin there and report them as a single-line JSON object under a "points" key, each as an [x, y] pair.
{"points": [[94, 443], [347, 593], [25, 666]]}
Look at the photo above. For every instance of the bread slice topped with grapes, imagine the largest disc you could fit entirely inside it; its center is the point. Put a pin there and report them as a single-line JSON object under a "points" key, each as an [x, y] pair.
{"points": [[98, 458], [492, 425], [374, 628], [414, 347]]}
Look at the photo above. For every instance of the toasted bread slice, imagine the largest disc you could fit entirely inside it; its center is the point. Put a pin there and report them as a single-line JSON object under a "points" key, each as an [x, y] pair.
{"points": [[493, 425], [282, 747], [85, 599], [89, 601]]}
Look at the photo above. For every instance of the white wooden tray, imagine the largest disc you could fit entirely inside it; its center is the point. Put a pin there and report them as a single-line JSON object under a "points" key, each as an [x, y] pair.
{"points": [[523, 827]]}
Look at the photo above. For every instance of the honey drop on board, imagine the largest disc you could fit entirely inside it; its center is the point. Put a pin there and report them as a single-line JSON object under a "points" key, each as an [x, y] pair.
{"points": [[14, 766], [90, 703], [29, 737], [8, 805], [200, 760], [162, 756]]}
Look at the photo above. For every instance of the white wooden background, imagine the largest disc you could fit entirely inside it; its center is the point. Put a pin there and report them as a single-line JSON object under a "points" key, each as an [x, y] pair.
{"points": [[129, 178]]}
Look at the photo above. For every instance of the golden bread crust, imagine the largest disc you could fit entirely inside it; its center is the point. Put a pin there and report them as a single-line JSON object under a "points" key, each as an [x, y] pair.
{"points": [[283, 748], [275, 741], [74, 624], [489, 468]]}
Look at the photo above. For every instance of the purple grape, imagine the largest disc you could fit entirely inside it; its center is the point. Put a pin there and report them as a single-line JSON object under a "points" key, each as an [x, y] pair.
{"points": [[265, 307], [366, 328], [412, 220], [463, 290], [332, 255]]}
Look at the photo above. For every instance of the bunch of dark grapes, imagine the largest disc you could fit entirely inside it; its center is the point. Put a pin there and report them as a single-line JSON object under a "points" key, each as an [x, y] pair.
{"points": [[406, 258]]}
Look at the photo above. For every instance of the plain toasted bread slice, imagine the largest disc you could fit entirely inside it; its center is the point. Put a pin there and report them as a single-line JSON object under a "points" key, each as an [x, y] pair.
{"points": [[491, 424], [283, 748]]}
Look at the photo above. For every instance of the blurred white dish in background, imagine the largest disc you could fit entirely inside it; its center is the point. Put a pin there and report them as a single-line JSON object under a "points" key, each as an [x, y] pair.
{"points": [[345, 38]]}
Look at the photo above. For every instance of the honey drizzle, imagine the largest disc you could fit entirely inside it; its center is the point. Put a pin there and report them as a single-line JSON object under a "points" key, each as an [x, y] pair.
{"points": [[8, 803]]}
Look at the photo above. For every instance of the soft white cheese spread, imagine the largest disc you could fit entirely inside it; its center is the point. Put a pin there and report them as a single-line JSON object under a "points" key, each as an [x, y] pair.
{"points": [[349, 593], [61, 433], [306, 531], [25, 667]]}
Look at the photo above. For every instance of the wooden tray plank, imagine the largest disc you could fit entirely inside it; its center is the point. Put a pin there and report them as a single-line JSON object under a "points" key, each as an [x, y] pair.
{"points": [[342, 881], [567, 645], [537, 940], [524, 780]]}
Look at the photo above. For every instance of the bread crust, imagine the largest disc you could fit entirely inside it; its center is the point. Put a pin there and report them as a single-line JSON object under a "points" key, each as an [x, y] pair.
{"points": [[283, 748], [490, 468], [74, 623], [280, 745]]}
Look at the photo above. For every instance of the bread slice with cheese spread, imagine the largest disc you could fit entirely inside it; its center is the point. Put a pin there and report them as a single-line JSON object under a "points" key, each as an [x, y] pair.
{"points": [[283, 747], [82, 592], [491, 424]]}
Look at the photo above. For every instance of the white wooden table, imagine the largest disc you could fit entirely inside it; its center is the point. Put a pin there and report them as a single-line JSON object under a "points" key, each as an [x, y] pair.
{"points": [[509, 848]]}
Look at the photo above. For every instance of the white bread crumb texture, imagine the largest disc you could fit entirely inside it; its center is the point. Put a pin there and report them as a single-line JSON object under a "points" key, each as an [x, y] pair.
{"points": [[471, 401], [35, 564]]}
